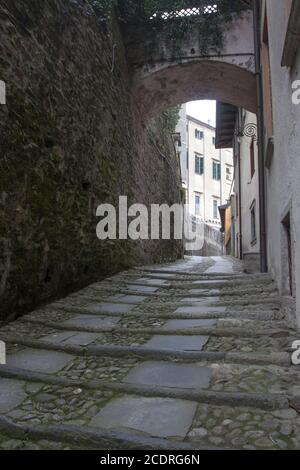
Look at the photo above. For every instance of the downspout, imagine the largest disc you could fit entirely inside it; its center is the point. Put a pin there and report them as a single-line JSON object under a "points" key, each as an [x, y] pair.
{"points": [[260, 138], [221, 195], [240, 200], [188, 161]]}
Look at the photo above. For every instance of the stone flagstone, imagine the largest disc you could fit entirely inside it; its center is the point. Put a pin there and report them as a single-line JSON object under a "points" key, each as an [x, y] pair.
{"points": [[200, 300], [153, 281], [71, 338], [109, 308], [161, 274], [221, 265], [158, 417], [170, 375], [12, 394], [183, 324], [40, 360], [180, 343], [131, 299], [142, 289], [92, 321], [200, 309], [204, 292], [211, 281]]}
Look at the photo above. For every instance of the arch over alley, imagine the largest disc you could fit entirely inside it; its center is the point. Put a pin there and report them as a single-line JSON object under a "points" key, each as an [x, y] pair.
{"points": [[163, 77]]}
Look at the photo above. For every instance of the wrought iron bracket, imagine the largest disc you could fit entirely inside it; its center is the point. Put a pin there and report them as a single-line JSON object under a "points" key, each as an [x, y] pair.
{"points": [[250, 130]]}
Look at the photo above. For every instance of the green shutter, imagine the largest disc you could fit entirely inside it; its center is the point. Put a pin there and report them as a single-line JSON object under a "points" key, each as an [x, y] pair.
{"points": [[201, 166]]}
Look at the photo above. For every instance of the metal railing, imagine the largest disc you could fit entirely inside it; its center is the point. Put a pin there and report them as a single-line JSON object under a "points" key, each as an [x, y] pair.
{"points": [[163, 10]]}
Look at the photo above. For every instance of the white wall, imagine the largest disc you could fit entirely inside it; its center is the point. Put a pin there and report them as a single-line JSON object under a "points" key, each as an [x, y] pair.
{"points": [[181, 129], [283, 177], [204, 185], [249, 189]]}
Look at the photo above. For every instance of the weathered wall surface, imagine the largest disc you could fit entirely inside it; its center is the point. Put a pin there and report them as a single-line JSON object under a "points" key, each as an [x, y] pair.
{"points": [[164, 76], [69, 142], [283, 190], [250, 189]]}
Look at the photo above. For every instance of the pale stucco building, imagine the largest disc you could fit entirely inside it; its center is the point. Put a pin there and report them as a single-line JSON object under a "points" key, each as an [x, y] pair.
{"points": [[280, 41], [237, 128], [207, 173], [266, 208]]}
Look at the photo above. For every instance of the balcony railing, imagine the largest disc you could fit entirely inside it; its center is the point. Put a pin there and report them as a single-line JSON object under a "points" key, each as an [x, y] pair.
{"points": [[164, 10]]}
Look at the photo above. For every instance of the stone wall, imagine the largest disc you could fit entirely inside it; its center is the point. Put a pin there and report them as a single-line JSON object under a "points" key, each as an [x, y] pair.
{"points": [[282, 176], [70, 140]]}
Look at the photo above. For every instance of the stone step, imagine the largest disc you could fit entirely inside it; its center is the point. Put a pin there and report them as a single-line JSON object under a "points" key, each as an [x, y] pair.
{"points": [[85, 437], [236, 399], [263, 316], [37, 400], [117, 351], [154, 285], [209, 283], [190, 277], [213, 324], [210, 335], [199, 275], [181, 313], [184, 306], [211, 428], [175, 293], [154, 360], [218, 299]]}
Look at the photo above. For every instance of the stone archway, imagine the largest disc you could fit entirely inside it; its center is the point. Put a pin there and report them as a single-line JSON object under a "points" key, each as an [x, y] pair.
{"points": [[162, 77], [206, 79]]}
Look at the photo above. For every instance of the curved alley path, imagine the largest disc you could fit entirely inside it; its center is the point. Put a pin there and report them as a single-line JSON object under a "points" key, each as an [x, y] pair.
{"points": [[189, 355]]}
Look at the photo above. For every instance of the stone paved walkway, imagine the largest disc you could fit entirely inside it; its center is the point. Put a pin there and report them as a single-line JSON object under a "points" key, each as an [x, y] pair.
{"points": [[190, 355]]}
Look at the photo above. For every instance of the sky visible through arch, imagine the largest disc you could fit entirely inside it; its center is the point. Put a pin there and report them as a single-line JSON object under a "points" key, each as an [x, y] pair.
{"points": [[203, 110]]}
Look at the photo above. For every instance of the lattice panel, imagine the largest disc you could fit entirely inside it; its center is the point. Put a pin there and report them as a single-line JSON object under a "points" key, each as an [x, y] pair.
{"points": [[186, 13], [190, 9]]}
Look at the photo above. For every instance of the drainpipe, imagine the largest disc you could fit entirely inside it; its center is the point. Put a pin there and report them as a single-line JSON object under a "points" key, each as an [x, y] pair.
{"points": [[240, 200], [260, 138], [221, 196], [188, 161]]}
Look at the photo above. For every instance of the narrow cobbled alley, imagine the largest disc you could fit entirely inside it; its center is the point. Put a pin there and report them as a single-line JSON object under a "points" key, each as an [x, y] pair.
{"points": [[189, 355]]}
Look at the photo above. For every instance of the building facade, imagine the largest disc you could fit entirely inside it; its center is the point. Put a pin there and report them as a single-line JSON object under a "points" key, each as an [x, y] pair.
{"points": [[280, 51], [207, 173], [244, 204], [266, 207]]}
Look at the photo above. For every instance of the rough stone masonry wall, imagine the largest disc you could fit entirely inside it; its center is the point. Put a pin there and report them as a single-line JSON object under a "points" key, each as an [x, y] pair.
{"points": [[69, 142]]}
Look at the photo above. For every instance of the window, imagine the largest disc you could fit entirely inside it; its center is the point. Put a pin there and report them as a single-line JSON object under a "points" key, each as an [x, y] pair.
{"points": [[215, 209], [252, 159], [214, 141], [199, 134], [197, 204], [199, 165], [216, 171], [253, 223]]}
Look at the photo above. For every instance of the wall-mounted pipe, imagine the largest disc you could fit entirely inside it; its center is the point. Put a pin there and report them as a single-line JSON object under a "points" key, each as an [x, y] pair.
{"points": [[240, 197], [260, 135]]}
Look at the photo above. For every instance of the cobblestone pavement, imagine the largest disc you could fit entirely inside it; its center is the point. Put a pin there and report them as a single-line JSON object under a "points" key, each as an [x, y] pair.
{"points": [[190, 355]]}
